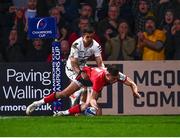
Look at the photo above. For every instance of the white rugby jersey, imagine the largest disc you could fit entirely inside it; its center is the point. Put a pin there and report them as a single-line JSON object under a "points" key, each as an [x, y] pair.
{"points": [[83, 53]]}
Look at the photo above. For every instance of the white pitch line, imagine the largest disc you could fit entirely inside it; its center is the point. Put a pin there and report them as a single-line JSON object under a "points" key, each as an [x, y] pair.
{"points": [[9, 117]]}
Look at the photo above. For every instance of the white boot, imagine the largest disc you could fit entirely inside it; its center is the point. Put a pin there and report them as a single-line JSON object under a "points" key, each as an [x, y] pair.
{"points": [[61, 113], [33, 106]]}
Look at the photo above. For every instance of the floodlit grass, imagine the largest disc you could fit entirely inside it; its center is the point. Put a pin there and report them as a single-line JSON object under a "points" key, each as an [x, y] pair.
{"points": [[102, 126]]}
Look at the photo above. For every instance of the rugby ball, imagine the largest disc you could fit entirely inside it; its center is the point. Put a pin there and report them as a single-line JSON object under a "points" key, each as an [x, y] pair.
{"points": [[90, 111]]}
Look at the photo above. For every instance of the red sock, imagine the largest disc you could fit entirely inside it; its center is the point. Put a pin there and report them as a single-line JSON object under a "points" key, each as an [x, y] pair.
{"points": [[75, 109], [50, 98]]}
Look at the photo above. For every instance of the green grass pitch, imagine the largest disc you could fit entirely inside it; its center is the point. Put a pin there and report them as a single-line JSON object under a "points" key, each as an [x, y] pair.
{"points": [[101, 126]]}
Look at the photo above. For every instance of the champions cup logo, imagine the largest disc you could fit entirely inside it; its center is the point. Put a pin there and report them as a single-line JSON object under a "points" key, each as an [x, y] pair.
{"points": [[42, 27], [42, 23]]}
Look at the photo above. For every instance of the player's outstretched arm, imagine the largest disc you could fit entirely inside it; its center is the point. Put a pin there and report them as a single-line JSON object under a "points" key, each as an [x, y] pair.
{"points": [[133, 86], [93, 100]]}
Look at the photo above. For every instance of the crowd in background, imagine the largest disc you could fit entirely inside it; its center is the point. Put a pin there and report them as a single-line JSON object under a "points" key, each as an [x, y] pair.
{"points": [[125, 29]]}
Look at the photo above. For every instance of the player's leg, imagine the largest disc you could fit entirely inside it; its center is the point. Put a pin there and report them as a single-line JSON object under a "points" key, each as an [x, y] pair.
{"points": [[73, 110], [78, 108], [75, 97], [78, 97], [73, 86], [83, 96]]}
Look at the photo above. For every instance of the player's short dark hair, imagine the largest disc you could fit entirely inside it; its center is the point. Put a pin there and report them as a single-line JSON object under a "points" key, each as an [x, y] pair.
{"points": [[113, 70], [89, 30]]}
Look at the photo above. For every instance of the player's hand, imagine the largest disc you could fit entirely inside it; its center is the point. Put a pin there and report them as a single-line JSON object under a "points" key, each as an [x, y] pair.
{"points": [[93, 103], [135, 90], [84, 76], [136, 94]]}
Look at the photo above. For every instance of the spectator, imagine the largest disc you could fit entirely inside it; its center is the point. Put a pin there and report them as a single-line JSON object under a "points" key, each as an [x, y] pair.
{"points": [[107, 28], [175, 30], [122, 46], [43, 7], [30, 12], [61, 23], [61, 6], [125, 11], [152, 4], [19, 24], [162, 7], [100, 8], [37, 51], [67, 7], [168, 20], [151, 42], [85, 11], [14, 50], [83, 24], [65, 49], [7, 22], [166, 26], [141, 15]]}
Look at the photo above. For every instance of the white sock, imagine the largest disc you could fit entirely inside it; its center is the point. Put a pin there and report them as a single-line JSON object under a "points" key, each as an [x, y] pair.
{"points": [[40, 102], [66, 112], [77, 93], [81, 102]]}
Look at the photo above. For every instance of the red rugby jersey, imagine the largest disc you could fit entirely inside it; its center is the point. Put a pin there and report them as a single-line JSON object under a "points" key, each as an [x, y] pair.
{"points": [[97, 77]]}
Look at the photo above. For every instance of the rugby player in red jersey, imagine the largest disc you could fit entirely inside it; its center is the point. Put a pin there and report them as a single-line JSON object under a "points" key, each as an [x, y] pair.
{"points": [[97, 78]]}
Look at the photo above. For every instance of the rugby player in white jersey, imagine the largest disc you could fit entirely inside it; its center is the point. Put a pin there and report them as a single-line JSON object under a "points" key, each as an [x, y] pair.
{"points": [[81, 50]]}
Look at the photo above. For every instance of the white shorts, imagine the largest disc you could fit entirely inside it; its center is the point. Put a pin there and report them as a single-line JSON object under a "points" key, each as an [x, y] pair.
{"points": [[72, 76]]}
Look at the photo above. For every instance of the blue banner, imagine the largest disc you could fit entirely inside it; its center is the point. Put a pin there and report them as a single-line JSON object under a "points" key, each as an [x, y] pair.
{"points": [[56, 72], [56, 66], [42, 27]]}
